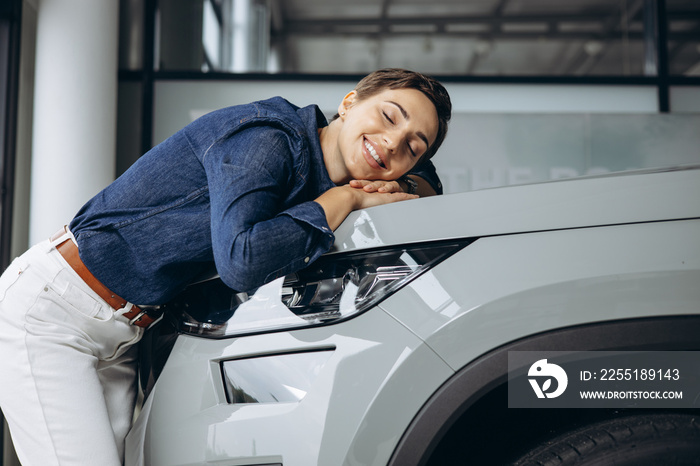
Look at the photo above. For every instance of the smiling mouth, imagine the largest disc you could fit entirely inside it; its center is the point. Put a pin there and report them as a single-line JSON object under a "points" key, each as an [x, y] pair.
{"points": [[374, 154]]}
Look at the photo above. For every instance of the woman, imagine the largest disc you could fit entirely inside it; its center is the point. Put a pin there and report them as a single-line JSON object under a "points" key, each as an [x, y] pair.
{"points": [[256, 190]]}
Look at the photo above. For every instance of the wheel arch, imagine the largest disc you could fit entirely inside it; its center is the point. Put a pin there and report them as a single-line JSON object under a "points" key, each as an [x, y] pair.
{"points": [[480, 385]]}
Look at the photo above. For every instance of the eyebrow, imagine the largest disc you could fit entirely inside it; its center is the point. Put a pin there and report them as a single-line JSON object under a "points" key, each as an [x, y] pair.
{"points": [[407, 117]]}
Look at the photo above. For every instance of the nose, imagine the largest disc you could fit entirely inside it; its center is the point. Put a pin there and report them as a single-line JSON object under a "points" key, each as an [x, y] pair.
{"points": [[392, 140]]}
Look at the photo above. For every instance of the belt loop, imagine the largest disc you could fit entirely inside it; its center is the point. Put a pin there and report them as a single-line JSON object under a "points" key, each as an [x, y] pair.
{"points": [[61, 236], [124, 310], [148, 323]]}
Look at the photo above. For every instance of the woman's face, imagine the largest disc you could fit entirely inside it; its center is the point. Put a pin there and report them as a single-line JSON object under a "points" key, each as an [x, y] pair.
{"points": [[382, 136]]}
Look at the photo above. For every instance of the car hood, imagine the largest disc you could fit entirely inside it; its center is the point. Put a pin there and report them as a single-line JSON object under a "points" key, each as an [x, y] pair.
{"points": [[619, 198]]}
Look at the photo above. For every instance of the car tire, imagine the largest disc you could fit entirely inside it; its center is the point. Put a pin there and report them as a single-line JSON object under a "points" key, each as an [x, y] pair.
{"points": [[640, 440]]}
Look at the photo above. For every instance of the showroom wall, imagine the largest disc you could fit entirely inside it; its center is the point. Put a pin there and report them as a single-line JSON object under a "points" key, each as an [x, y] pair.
{"points": [[499, 134]]}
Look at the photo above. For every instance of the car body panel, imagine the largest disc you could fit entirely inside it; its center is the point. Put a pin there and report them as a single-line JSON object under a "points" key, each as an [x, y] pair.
{"points": [[372, 354], [545, 257], [520, 285], [580, 202]]}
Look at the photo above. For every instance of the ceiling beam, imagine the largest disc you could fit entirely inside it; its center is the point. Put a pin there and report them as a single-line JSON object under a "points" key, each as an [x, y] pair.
{"points": [[604, 19]]}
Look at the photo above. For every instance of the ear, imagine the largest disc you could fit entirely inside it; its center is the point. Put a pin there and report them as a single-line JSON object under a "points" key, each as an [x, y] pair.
{"points": [[346, 103]]}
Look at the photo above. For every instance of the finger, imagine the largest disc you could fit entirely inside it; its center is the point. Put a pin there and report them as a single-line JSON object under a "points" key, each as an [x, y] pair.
{"points": [[390, 187], [369, 186], [358, 183], [373, 186]]}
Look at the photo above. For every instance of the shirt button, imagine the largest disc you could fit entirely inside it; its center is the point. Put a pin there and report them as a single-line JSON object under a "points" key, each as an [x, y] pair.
{"points": [[306, 260]]}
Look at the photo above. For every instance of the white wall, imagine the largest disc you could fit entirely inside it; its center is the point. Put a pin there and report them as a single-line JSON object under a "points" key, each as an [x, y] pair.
{"points": [[75, 107], [178, 102], [499, 134]]}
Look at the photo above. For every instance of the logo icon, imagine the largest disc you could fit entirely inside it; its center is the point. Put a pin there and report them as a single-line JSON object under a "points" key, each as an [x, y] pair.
{"points": [[547, 371]]}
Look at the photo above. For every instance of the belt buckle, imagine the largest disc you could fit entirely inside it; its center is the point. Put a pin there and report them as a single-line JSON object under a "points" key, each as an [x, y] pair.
{"points": [[145, 312]]}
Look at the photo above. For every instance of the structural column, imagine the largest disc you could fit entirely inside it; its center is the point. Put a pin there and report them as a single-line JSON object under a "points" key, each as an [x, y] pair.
{"points": [[75, 105]]}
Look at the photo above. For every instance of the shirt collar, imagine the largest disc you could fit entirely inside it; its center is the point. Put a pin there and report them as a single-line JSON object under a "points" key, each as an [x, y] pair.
{"points": [[313, 119]]}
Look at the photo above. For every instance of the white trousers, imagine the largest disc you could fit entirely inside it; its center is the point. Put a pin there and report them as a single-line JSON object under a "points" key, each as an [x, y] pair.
{"points": [[67, 365]]}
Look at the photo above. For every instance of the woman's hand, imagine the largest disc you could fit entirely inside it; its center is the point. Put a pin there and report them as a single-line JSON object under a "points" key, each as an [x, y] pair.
{"points": [[338, 202], [375, 193], [377, 186]]}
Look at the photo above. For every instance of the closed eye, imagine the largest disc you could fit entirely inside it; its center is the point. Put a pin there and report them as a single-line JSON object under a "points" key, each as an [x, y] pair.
{"points": [[388, 118]]}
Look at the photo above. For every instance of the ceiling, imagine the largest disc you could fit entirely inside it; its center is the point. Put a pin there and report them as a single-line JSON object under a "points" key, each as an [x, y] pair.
{"points": [[483, 37]]}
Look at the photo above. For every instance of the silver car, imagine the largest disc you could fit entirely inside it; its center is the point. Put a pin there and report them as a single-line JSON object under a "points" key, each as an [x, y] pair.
{"points": [[393, 348]]}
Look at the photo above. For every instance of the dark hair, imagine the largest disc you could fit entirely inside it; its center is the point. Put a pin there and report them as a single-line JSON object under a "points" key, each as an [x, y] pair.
{"points": [[398, 78]]}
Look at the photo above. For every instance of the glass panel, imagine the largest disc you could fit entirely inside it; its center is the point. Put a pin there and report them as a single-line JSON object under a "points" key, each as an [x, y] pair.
{"points": [[441, 37], [683, 37], [510, 149], [685, 99], [214, 35], [131, 34], [129, 124]]}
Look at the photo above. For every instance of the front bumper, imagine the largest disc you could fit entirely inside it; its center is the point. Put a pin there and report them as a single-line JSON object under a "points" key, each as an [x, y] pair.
{"points": [[354, 411]]}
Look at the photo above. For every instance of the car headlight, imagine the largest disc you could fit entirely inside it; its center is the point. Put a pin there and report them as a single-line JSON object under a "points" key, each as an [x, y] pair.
{"points": [[334, 288]]}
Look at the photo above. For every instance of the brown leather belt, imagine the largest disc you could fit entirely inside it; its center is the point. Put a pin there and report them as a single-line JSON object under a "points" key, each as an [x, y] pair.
{"points": [[69, 251]]}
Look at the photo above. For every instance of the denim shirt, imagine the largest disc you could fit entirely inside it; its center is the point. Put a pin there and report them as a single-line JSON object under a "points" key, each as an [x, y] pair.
{"points": [[235, 189]]}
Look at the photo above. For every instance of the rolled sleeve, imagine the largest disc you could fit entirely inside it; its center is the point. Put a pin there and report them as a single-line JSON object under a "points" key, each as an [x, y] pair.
{"points": [[310, 217]]}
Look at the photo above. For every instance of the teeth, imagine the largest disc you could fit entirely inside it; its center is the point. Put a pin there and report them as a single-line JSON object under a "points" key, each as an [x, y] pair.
{"points": [[374, 155]]}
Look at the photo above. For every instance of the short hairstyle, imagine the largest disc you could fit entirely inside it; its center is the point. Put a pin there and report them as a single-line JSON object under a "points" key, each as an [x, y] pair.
{"points": [[398, 78]]}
